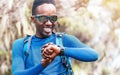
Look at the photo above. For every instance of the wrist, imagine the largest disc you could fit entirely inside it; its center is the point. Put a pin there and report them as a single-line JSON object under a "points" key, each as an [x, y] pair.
{"points": [[61, 51], [46, 62]]}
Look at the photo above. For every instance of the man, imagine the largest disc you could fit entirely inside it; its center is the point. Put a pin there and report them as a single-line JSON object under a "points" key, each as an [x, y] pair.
{"points": [[45, 56]]}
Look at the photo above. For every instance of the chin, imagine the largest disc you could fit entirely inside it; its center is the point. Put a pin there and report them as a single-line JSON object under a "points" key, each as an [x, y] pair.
{"points": [[47, 35]]}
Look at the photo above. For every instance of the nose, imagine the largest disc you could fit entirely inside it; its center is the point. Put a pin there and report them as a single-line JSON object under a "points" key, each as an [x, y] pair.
{"points": [[48, 23]]}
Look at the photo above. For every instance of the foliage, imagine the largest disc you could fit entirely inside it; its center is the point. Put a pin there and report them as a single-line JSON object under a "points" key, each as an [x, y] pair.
{"points": [[94, 22]]}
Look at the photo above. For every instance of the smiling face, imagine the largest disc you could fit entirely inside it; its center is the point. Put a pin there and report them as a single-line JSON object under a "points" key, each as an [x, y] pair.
{"points": [[44, 29]]}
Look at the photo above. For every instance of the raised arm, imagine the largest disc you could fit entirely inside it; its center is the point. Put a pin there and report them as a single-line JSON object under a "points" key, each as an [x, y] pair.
{"points": [[72, 48], [82, 54], [76, 49]]}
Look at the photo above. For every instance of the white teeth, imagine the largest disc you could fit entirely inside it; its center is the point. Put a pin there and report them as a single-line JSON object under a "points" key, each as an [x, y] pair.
{"points": [[47, 29]]}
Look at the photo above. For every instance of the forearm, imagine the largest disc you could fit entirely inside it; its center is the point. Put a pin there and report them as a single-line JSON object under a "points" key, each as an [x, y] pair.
{"points": [[82, 54], [31, 71]]}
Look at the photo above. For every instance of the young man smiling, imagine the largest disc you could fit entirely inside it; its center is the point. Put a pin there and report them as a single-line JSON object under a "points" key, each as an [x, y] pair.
{"points": [[45, 55]]}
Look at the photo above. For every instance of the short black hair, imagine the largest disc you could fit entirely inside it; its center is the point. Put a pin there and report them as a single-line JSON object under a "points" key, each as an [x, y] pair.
{"points": [[36, 3]]}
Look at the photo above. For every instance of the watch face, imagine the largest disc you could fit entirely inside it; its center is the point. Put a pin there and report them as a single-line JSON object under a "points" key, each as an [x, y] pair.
{"points": [[61, 51]]}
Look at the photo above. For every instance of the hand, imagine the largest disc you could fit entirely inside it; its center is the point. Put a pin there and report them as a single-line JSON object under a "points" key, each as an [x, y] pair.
{"points": [[50, 51], [46, 62]]}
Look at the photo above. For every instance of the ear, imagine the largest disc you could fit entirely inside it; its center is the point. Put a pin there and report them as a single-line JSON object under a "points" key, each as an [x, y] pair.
{"points": [[33, 19]]}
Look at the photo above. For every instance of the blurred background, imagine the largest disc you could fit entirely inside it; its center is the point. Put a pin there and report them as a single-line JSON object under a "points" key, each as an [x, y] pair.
{"points": [[94, 22]]}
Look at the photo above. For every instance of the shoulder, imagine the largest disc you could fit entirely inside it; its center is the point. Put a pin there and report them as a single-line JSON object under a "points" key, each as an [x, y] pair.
{"points": [[17, 47], [72, 41], [70, 37], [18, 41], [22, 40], [65, 36]]}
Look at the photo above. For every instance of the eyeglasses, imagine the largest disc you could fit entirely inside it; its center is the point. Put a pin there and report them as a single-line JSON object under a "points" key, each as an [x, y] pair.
{"points": [[43, 18]]}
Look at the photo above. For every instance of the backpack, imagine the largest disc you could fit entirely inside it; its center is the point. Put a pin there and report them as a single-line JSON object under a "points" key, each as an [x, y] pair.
{"points": [[66, 62]]}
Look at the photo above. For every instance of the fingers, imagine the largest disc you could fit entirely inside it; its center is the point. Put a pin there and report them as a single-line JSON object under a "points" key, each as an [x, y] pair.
{"points": [[46, 53], [46, 61], [46, 45], [49, 52], [53, 55]]}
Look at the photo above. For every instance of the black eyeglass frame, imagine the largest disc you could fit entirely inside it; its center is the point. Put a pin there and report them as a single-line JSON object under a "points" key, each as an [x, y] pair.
{"points": [[44, 18]]}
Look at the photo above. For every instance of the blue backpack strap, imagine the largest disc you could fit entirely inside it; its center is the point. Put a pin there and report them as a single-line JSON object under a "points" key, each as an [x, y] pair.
{"points": [[66, 61], [26, 48], [59, 39]]}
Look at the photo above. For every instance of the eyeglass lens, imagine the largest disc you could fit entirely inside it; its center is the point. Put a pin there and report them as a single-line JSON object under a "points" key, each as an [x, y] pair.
{"points": [[45, 18]]}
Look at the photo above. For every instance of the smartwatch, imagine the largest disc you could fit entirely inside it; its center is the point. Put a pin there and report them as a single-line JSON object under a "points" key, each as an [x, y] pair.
{"points": [[61, 51]]}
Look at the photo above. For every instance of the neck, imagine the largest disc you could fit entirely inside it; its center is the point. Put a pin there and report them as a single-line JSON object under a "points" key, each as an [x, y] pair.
{"points": [[40, 35]]}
